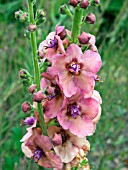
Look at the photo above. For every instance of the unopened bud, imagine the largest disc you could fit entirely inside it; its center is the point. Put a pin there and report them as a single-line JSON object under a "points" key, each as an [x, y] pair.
{"points": [[84, 4], [95, 2], [41, 13], [38, 96], [24, 17], [22, 74], [74, 3], [32, 27], [28, 121], [84, 38], [61, 32], [26, 107], [91, 18], [17, 14], [32, 88], [63, 9], [57, 139]]}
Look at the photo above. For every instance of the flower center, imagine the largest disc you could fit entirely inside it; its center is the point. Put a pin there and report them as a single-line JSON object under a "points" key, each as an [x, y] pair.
{"points": [[64, 136], [38, 154], [74, 68], [52, 43], [74, 110]]}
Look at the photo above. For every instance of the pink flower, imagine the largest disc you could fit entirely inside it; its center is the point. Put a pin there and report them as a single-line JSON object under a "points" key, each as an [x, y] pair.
{"points": [[64, 142], [54, 98], [79, 115], [39, 147], [51, 46], [75, 70]]}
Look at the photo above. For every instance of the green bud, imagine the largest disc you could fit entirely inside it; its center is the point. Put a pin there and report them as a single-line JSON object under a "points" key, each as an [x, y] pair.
{"points": [[65, 10], [40, 21]]}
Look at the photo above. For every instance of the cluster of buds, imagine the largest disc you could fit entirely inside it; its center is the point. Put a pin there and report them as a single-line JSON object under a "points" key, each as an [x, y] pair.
{"points": [[84, 3], [25, 77], [21, 16], [71, 105]]}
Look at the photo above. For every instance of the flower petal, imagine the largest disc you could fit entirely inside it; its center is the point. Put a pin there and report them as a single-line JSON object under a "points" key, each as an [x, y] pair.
{"points": [[45, 162], [85, 82], [89, 107], [92, 61], [73, 52], [63, 152], [67, 84], [54, 160], [43, 142], [28, 153]]}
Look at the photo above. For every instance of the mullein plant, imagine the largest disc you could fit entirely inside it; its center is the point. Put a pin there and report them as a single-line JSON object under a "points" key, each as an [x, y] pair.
{"points": [[65, 107]]}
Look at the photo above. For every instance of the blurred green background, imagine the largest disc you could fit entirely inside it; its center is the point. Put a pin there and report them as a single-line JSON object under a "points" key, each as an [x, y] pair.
{"points": [[109, 145]]}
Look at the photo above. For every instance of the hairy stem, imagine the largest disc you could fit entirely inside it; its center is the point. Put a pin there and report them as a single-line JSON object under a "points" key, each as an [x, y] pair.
{"points": [[36, 66], [77, 22]]}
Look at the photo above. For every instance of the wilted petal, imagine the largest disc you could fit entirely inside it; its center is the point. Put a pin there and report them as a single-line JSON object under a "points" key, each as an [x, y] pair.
{"points": [[28, 153], [54, 160], [45, 162], [79, 142], [67, 152], [43, 142]]}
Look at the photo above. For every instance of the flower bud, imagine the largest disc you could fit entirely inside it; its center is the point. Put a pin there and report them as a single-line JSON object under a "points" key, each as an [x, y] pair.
{"points": [[17, 14], [61, 32], [24, 17], [91, 18], [74, 3], [32, 27], [38, 96], [41, 13], [84, 4], [28, 121], [26, 107], [57, 139], [84, 38], [95, 2], [32, 88], [63, 9], [22, 74]]}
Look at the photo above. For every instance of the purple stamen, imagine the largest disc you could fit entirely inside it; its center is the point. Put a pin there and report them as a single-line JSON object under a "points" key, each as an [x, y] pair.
{"points": [[52, 43], [74, 68], [29, 121], [74, 111], [38, 154]]}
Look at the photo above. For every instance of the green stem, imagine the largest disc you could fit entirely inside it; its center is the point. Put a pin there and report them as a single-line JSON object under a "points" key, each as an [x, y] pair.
{"points": [[77, 22], [36, 66]]}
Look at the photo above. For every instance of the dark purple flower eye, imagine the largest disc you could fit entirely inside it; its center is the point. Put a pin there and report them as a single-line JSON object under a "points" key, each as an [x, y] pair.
{"points": [[38, 154], [74, 68], [74, 110], [52, 43]]}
